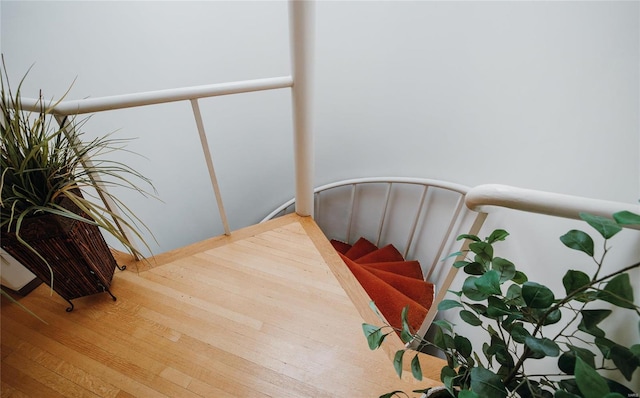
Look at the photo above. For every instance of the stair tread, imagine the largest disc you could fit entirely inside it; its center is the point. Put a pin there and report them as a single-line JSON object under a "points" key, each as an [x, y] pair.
{"points": [[420, 291], [410, 269], [386, 253], [389, 300], [340, 246], [361, 248]]}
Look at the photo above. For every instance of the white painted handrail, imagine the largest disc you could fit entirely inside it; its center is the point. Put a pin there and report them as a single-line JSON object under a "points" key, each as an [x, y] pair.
{"points": [[372, 180], [302, 37], [100, 104], [553, 204], [192, 94]]}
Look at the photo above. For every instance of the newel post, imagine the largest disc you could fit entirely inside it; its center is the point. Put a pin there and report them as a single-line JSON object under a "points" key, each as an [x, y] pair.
{"points": [[302, 34]]}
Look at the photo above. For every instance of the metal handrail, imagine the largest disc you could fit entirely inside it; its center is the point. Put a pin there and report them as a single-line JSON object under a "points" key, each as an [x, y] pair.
{"points": [[390, 181], [192, 94], [101, 104], [457, 214], [483, 197], [301, 18], [369, 180], [479, 199]]}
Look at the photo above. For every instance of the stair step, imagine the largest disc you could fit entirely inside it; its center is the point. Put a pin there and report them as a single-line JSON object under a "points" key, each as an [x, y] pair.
{"points": [[390, 281], [361, 248], [387, 253], [410, 269], [340, 246], [389, 300], [420, 291]]}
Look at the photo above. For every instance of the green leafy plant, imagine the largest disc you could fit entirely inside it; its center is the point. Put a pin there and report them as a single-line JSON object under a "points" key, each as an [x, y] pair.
{"points": [[525, 321], [44, 163]]}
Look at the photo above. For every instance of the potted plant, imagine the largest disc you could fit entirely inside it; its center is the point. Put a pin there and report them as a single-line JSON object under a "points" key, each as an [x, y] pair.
{"points": [[524, 321], [51, 221]]}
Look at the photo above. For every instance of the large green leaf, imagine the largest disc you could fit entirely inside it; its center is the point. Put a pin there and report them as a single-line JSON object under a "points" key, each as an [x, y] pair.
{"points": [[448, 304], [448, 376], [578, 240], [514, 316], [520, 278], [463, 346], [468, 394], [397, 362], [505, 268], [567, 361], [374, 335], [470, 318], [569, 385], [497, 308], [590, 320], [487, 384], [514, 296], [604, 345], [416, 370], [537, 295], [497, 235], [549, 318], [478, 308], [460, 264], [618, 291], [474, 268], [627, 218], [483, 251], [575, 280], [439, 339], [502, 355], [605, 226], [444, 324], [614, 386], [489, 283], [590, 383], [470, 237], [519, 333], [471, 291], [542, 346], [374, 308], [405, 333], [625, 360], [636, 351]]}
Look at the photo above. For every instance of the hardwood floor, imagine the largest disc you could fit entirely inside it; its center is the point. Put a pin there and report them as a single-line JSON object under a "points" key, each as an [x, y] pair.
{"points": [[262, 313]]}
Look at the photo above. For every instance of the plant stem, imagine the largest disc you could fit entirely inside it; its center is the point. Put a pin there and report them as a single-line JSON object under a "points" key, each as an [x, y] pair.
{"points": [[527, 351]]}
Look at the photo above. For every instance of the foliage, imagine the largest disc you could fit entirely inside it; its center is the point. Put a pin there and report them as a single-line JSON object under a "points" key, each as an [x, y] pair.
{"points": [[516, 315], [42, 163]]}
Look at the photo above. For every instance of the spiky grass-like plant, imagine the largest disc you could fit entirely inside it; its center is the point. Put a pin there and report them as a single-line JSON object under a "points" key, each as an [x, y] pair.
{"points": [[43, 162]]}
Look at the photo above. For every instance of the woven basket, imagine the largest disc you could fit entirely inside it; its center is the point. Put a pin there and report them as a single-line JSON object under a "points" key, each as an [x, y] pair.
{"points": [[81, 261]]}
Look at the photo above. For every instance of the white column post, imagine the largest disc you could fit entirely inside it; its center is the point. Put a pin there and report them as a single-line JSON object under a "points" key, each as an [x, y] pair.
{"points": [[302, 33]]}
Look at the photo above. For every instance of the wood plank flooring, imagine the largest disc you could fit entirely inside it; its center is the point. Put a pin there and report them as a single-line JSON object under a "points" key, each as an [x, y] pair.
{"points": [[263, 313]]}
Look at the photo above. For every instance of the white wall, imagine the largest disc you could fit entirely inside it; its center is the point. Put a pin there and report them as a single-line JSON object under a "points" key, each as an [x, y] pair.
{"points": [[119, 47], [543, 95]]}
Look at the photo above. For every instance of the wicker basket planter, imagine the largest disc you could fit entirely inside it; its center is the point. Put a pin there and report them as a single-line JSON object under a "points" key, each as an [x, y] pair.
{"points": [[81, 261]]}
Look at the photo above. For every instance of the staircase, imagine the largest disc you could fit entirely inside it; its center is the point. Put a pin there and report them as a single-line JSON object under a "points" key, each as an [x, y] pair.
{"points": [[390, 281], [376, 224]]}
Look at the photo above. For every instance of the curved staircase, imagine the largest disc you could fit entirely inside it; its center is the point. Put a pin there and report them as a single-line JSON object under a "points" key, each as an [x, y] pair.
{"points": [[392, 282]]}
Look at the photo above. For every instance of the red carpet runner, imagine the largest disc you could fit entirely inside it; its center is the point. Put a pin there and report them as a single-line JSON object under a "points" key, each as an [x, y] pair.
{"points": [[391, 282]]}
